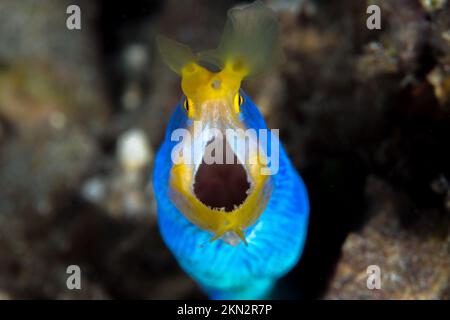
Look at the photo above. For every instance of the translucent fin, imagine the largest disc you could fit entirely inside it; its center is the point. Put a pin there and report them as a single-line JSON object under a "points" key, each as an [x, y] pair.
{"points": [[217, 235], [176, 55], [241, 235], [250, 40]]}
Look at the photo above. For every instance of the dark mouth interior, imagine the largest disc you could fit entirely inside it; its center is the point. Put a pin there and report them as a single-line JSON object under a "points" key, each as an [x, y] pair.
{"points": [[221, 185]]}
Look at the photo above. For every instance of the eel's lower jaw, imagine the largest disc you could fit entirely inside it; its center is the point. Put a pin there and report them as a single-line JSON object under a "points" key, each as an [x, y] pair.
{"points": [[217, 194], [224, 198]]}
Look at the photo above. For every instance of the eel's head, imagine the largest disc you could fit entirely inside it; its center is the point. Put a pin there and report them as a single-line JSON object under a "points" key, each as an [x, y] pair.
{"points": [[218, 179]]}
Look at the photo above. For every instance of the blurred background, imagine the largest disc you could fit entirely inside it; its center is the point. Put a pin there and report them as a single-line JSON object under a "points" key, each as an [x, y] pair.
{"points": [[364, 115]]}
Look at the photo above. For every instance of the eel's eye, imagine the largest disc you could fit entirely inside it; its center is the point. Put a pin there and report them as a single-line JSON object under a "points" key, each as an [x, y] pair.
{"points": [[186, 104], [238, 101]]}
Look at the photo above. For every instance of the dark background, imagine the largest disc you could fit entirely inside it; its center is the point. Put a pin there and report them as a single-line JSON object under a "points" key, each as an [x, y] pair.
{"points": [[363, 114]]}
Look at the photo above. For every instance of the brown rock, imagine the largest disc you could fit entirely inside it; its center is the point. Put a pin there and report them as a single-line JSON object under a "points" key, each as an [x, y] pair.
{"points": [[414, 260]]}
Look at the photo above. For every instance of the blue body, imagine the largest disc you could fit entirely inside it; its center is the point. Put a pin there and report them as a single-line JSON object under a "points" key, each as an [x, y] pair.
{"points": [[275, 241]]}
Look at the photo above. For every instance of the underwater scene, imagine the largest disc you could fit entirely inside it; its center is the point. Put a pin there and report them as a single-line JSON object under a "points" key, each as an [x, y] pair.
{"points": [[225, 150]]}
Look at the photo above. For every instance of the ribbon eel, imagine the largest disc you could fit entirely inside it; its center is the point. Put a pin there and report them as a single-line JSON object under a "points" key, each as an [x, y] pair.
{"points": [[231, 207]]}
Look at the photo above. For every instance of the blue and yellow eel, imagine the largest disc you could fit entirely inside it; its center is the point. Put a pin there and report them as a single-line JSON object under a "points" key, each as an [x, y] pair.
{"points": [[233, 227]]}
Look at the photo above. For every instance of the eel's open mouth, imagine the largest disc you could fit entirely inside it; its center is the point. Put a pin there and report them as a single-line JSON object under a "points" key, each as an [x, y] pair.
{"points": [[222, 185]]}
